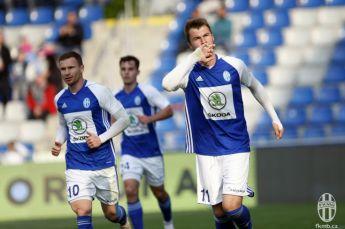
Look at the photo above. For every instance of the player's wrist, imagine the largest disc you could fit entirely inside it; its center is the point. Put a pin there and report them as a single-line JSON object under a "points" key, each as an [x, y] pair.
{"points": [[196, 55]]}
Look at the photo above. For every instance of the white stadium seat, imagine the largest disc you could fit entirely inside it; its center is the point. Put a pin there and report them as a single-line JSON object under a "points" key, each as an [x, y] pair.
{"points": [[16, 111], [310, 75], [330, 16], [9, 131], [32, 131], [317, 54], [325, 35], [303, 17], [289, 56], [297, 36], [281, 76]]}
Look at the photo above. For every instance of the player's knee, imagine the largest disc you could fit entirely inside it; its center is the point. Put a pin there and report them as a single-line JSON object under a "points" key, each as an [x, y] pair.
{"points": [[160, 194], [218, 210], [131, 193], [233, 205], [82, 211], [110, 215]]}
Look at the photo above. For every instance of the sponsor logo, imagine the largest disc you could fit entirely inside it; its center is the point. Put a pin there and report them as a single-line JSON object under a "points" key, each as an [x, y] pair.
{"points": [[218, 115], [217, 100], [133, 119], [86, 103], [226, 76], [137, 100], [79, 126], [199, 79]]}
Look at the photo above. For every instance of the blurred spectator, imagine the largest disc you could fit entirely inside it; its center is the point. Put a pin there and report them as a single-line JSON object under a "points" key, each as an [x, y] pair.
{"points": [[40, 98], [18, 77], [16, 154], [5, 62], [70, 35], [53, 73], [221, 29], [24, 45]]}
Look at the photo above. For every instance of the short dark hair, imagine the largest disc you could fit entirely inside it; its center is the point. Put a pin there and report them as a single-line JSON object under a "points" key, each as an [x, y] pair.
{"points": [[195, 23], [130, 58], [71, 54]]}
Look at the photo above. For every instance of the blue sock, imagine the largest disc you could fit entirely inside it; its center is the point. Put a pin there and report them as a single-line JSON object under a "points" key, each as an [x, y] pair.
{"points": [[241, 217], [224, 223], [135, 212], [84, 222], [166, 209], [121, 214]]}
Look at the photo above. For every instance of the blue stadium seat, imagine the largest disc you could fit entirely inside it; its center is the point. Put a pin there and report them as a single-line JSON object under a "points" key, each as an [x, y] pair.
{"points": [[60, 14], [263, 58], [328, 94], [237, 5], [314, 132], [269, 38], [262, 135], [246, 39], [335, 73], [261, 75], [302, 96], [76, 3], [339, 53], [91, 12], [264, 122], [42, 15], [339, 117], [338, 130], [166, 125], [2, 17], [294, 116], [254, 20], [17, 17], [87, 30], [261, 4], [321, 115], [277, 19], [334, 2], [290, 132], [52, 33], [284, 4], [242, 54], [310, 3]]}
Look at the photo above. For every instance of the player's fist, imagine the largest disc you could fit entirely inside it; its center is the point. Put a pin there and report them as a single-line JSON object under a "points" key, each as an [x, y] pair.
{"points": [[93, 141], [144, 119], [56, 149], [278, 130]]}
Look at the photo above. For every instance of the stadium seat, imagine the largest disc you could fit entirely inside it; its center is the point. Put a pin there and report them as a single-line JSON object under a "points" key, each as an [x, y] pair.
{"points": [[296, 36], [310, 75], [265, 121], [281, 76], [91, 12], [261, 75], [166, 125], [9, 131], [41, 15], [290, 133], [26, 129], [311, 132], [269, 38], [339, 116], [310, 3], [242, 54], [327, 94], [294, 116], [2, 17], [284, 4], [325, 35], [276, 18], [246, 39], [289, 56], [318, 55], [15, 111], [335, 74], [328, 16], [87, 30], [338, 130], [254, 20], [303, 17], [76, 3], [339, 53], [17, 17], [335, 2], [302, 96], [262, 135], [60, 14], [262, 57], [259, 5], [237, 5], [320, 115]]}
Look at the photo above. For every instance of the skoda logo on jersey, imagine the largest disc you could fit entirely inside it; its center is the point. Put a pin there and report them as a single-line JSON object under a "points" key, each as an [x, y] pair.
{"points": [[79, 126], [137, 100], [133, 120], [86, 103], [217, 100], [326, 207], [226, 76]]}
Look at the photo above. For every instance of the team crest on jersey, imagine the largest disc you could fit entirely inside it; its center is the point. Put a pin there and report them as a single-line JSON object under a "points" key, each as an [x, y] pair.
{"points": [[137, 100], [79, 126], [86, 102], [217, 100], [226, 76]]}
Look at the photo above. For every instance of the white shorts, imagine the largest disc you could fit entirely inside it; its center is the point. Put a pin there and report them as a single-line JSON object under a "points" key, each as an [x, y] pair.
{"points": [[135, 168], [86, 184], [219, 175]]}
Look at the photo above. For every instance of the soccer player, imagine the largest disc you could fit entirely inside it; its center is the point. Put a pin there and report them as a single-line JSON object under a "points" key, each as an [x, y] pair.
{"points": [[141, 154], [216, 127], [85, 109]]}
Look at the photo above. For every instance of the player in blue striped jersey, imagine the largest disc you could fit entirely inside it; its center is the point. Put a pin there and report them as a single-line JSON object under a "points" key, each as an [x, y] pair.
{"points": [[141, 154], [216, 126], [85, 110]]}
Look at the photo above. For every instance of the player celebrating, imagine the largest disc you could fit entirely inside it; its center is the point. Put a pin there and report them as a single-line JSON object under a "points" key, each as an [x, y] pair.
{"points": [[85, 123], [216, 127], [140, 149]]}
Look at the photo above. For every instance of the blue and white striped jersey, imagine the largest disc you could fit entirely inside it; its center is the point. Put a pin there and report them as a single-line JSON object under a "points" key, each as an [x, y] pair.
{"points": [[87, 110], [214, 108], [139, 139]]}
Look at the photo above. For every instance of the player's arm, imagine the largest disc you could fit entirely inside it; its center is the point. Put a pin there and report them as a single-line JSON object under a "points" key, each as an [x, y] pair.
{"points": [[108, 102], [262, 97], [178, 77], [61, 136], [165, 113]]}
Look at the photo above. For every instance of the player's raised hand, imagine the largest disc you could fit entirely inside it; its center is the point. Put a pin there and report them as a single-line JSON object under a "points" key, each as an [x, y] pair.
{"points": [[93, 141], [207, 53], [144, 119], [278, 130], [56, 149]]}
